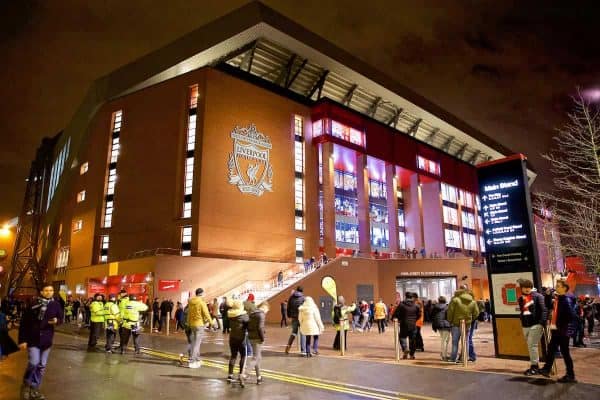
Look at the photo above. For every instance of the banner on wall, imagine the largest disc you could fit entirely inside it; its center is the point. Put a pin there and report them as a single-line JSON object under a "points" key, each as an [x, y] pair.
{"points": [[168, 285]]}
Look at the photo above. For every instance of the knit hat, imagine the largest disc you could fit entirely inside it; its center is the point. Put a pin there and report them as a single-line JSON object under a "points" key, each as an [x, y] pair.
{"points": [[250, 297]]}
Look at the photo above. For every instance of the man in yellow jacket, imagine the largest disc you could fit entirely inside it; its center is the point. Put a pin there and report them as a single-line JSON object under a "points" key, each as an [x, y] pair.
{"points": [[112, 316], [197, 318], [96, 320], [131, 323]]}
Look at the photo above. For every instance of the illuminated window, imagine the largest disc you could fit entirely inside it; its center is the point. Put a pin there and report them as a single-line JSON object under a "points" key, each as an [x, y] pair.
{"points": [[188, 170], [470, 241], [299, 221], [450, 215], [62, 258], [449, 193], [452, 238], [186, 241], [402, 240], [377, 189], [346, 232], [482, 243], [299, 250], [84, 168], [81, 196], [428, 165], [379, 236], [77, 225], [346, 206], [104, 245], [317, 128], [466, 199], [57, 169], [347, 134], [468, 220], [111, 176], [479, 223]]}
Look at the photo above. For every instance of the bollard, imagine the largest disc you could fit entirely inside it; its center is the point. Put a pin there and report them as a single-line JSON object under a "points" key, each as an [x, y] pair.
{"points": [[342, 337], [168, 321], [396, 340], [299, 337], [464, 342], [151, 320]]}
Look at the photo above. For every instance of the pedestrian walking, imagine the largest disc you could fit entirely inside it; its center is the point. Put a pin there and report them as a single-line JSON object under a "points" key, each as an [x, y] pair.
{"points": [[562, 328], [294, 302], [419, 324], [311, 325], [283, 314], [198, 318], [223, 308], [407, 313], [439, 323], [36, 333], [461, 307], [380, 315], [533, 319], [238, 319], [256, 336]]}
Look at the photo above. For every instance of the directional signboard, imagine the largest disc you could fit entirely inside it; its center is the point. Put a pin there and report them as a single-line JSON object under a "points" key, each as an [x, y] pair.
{"points": [[506, 215], [509, 244]]}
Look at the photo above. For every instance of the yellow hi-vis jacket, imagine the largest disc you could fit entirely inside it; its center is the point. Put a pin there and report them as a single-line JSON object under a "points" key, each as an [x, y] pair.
{"points": [[131, 317], [97, 311], [122, 304], [112, 314]]}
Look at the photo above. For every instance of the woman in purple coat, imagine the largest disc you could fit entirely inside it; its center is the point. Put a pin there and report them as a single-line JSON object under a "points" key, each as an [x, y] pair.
{"points": [[35, 334]]}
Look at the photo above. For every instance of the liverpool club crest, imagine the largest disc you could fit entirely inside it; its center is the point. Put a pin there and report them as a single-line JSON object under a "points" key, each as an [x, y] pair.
{"points": [[249, 166]]}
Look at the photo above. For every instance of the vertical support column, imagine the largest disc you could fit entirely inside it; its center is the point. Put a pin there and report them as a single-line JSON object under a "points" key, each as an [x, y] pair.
{"points": [[433, 218], [412, 214], [362, 191], [328, 200], [392, 204]]}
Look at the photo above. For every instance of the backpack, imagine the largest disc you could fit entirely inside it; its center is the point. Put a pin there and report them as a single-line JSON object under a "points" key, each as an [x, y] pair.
{"points": [[337, 314]]}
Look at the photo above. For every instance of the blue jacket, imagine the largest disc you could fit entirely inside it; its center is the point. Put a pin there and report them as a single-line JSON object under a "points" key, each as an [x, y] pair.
{"points": [[566, 320]]}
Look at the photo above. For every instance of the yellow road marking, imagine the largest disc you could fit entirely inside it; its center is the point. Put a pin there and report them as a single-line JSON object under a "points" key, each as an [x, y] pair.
{"points": [[311, 382]]}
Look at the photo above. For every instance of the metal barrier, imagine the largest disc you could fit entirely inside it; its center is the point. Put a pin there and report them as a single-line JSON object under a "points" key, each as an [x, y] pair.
{"points": [[168, 321], [396, 340], [343, 336], [464, 341]]}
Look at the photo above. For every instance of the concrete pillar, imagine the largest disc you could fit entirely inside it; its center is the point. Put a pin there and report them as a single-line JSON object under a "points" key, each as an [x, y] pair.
{"points": [[412, 214], [392, 204], [328, 200], [362, 191], [433, 218]]}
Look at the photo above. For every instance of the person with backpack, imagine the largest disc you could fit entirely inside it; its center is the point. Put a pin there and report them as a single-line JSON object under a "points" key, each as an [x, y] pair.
{"points": [[533, 320], [462, 307], [440, 323], [294, 302], [562, 327], [340, 321], [238, 319]]}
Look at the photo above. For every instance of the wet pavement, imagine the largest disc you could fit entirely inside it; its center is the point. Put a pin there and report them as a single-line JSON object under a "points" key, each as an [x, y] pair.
{"points": [[367, 371]]}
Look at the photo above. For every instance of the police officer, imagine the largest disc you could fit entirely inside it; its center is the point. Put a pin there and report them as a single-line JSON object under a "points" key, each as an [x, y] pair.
{"points": [[111, 321], [131, 323], [96, 320], [123, 301]]}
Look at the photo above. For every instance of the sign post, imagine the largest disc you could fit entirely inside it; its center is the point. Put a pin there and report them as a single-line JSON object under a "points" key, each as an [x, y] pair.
{"points": [[510, 246]]}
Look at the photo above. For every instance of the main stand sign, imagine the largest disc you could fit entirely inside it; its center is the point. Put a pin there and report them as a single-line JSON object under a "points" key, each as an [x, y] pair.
{"points": [[510, 246]]}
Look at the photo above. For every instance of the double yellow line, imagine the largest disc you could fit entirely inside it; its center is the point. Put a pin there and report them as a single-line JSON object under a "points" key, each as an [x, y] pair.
{"points": [[316, 383]]}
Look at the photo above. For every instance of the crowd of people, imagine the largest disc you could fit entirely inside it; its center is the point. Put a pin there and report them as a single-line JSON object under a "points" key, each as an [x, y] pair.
{"points": [[555, 318]]}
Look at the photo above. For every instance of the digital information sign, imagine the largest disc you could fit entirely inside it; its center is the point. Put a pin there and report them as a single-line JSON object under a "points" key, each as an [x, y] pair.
{"points": [[509, 245], [506, 215]]}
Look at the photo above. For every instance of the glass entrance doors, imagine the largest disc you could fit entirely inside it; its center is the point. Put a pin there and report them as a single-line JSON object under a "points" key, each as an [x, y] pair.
{"points": [[427, 288]]}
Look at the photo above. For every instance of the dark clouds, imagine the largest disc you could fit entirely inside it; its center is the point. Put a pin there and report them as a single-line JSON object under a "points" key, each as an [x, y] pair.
{"points": [[506, 68]]}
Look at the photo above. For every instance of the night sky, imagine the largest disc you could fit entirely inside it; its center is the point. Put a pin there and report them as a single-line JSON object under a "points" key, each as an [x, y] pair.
{"points": [[507, 68]]}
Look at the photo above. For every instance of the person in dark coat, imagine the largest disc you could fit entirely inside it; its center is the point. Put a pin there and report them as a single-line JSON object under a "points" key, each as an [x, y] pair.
{"points": [[294, 302], [36, 333], [562, 326], [238, 319], [223, 308], [407, 313], [256, 336], [440, 323], [533, 320], [7, 345]]}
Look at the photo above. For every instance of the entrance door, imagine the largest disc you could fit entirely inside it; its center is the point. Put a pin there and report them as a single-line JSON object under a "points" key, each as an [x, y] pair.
{"points": [[363, 292], [325, 308], [427, 288]]}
